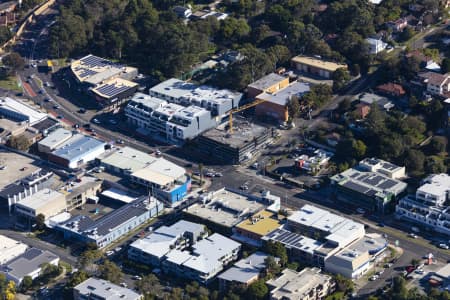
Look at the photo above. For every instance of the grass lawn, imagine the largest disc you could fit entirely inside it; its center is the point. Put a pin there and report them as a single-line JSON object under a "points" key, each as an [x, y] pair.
{"points": [[10, 84]]}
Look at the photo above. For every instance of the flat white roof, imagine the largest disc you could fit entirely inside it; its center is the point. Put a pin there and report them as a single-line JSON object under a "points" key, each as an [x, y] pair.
{"points": [[211, 94], [169, 109], [146, 101], [34, 116], [10, 249], [437, 184], [106, 290], [160, 171], [173, 88], [41, 198], [282, 96], [117, 194], [56, 138], [128, 158], [78, 146], [267, 81]]}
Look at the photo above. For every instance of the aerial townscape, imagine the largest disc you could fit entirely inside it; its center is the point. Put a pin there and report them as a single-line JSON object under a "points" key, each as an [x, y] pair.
{"points": [[225, 149]]}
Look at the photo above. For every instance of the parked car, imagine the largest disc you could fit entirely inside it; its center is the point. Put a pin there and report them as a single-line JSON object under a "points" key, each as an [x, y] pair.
{"points": [[413, 235], [244, 187], [443, 246], [360, 211], [373, 277], [96, 121]]}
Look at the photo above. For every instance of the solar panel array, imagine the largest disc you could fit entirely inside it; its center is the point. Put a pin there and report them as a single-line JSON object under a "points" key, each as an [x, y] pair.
{"points": [[112, 90], [94, 61], [287, 238], [87, 72]]}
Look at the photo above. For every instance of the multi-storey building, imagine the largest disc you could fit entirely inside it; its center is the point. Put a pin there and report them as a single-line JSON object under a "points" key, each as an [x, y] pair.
{"points": [[429, 206]]}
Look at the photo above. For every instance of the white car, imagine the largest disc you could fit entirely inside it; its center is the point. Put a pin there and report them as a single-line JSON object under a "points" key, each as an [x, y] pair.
{"points": [[443, 246], [109, 253], [123, 284], [96, 121], [419, 271], [413, 235], [360, 211], [373, 278]]}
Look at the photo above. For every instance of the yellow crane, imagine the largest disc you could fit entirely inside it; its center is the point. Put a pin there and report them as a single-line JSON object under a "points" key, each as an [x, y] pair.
{"points": [[241, 108]]}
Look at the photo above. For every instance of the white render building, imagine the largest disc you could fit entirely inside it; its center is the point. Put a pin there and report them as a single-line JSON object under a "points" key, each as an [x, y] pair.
{"points": [[429, 206]]}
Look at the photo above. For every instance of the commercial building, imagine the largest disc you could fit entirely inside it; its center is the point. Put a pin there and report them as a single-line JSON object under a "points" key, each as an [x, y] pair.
{"points": [[46, 202], [28, 264], [208, 258], [113, 225], [275, 105], [270, 83], [316, 66], [168, 181], [320, 224], [227, 147], [109, 82], [308, 284], [77, 151], [244, 272], [95, 288], [126, 160], [224, 209], [18, 111], [373, 185], [251, 230], [77, 192], [319, 238], [10, 249], [54, 140], [140, 108], [152, 249], [429, 206], [114, 91], [376, 45]]}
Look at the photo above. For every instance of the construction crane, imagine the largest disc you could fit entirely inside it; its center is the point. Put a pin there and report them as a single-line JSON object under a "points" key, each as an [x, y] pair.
{"points": [[241, 108]]}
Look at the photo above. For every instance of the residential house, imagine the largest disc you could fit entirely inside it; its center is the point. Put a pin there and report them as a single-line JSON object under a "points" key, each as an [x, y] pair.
{"points": [[398, 25], [391, 89], [376, 45]]}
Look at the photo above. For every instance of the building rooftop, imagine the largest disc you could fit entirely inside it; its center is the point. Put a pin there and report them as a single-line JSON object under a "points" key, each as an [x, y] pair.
{"points": [[97, 228], [167, 110], [106, 290], [226, 207], [211, 94], [267, 81], [26, 112], [16, 167], [27, 263], [77, 146], [369, 183], [94, 70], [318, 63], [128, 159], [119, 195], [161, 240], [369, 98], [41, 198], [297, 285], [160, 172], [282, 96], [113, 87], [56, 138], [436, 184], [293, 240], [243, 133], [245, 269], [45, 124], [146, 102], [10, 249], [380, 166], [172, 88], [261, 223]]}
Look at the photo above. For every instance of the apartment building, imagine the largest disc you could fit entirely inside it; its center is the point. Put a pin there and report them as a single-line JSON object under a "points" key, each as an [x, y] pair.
{"points": [[308, 284], [429, 206]]}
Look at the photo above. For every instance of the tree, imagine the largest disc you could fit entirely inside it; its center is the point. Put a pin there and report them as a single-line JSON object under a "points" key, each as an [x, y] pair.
{"points": [[272, 266], [40, 222], [278, 250], [110, 271], [438, 144], [340, 78], [344, 105], [10, 291], [26, 284], [293, 107], [445, 65], [415, 262], [434, 165], [19, 142], [77, 278], [399, 290], [359, 149], [149, 284], [344, 284], [14, 61], [258, 290], [88, 258], [414, 160]]}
